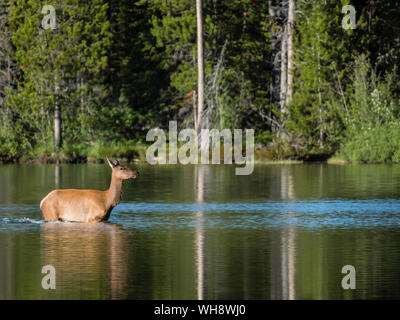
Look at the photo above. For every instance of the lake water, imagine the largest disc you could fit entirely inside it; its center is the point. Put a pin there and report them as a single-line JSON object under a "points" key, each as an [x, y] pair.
{"points": [[201, 232]]}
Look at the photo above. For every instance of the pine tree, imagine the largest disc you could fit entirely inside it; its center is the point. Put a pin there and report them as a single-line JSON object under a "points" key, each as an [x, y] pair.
{"points": [[321, 55], [235, 59], [62, 69]]}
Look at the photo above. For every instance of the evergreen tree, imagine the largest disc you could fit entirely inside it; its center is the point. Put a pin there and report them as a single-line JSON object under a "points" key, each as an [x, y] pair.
{"points": [[321, 55], [63, 67]]}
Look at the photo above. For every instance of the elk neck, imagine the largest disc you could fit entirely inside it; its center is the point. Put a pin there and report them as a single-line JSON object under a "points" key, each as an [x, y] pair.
{"points": [[114, 191]]}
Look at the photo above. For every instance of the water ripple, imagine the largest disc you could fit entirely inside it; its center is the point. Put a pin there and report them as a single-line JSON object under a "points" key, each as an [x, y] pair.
{"points": [[270, 214], [310, 214], [311, 206]]}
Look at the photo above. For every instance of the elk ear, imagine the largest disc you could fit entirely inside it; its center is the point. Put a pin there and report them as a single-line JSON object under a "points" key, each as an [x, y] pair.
{"points": [[116, 162], [110, 163]]}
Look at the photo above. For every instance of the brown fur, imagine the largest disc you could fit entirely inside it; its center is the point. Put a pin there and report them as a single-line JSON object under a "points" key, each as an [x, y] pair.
{"points": [[86, 205]]}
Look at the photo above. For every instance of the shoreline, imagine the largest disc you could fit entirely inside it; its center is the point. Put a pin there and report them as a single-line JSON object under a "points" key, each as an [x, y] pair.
{"points": [[62, 159]]}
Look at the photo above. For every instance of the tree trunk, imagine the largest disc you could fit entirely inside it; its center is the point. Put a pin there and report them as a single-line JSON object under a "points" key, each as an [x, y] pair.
{"points": [[290, 55], [274, 15], [195, 110], [200, 65], [57, 122], [283, 69]]}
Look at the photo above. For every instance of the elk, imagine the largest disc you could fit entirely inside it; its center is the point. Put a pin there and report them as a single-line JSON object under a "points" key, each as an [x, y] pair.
{"points": [[87, 205]]}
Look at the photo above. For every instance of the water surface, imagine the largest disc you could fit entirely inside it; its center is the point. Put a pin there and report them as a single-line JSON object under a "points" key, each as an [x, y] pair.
{"points": [[201, 232]]}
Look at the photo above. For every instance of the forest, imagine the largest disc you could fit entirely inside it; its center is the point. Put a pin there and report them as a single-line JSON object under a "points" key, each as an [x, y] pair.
{"points": [[316, 79]]}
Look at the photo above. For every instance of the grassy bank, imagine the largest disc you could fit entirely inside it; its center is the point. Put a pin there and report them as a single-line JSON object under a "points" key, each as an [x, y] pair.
{"points": [[127, 151], [378, 145]]}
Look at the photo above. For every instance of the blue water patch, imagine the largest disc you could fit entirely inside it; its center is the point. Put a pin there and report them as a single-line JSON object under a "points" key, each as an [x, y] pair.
{"points": [[271, 214], [310, 214], [311, 206]]}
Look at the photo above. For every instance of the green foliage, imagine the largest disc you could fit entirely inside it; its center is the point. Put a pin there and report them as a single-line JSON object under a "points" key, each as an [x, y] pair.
{"points": [[372, 116], [236, 44], [377, 144], [321, 55], [120, 68], [121, 150], [263, 137], [66, 64], [373, 101]]}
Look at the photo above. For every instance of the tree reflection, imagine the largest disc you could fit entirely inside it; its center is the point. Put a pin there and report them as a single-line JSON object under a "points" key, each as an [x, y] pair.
{"points": [[283, 256], [199, 236]]}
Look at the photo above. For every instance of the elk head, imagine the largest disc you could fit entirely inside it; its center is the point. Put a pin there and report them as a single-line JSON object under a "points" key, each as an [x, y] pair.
{"points": [[121, 172]]}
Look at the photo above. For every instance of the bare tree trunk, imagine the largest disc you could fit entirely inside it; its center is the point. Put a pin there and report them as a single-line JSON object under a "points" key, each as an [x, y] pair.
{"points": [[271, 14], [283, 69], [271, 11], [57, 121], [290, 55], [200, 65], [275, 12], [194, 97], [80, 84], [321, 133]]}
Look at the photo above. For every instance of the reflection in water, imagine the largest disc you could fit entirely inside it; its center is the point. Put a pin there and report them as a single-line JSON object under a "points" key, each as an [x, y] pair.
{"points": [[286, 289], [84, 254], [288, 264], [284, 232], [199, 243], [57, 176], [117, 264], [6, 266]]}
